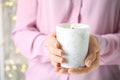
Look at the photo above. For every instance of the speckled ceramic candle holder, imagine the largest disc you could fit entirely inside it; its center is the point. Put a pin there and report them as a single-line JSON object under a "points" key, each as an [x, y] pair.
{"points": [[74, 40]]}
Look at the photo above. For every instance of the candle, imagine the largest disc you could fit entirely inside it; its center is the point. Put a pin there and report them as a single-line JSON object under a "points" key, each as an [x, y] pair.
{"points": [[74, 40]]}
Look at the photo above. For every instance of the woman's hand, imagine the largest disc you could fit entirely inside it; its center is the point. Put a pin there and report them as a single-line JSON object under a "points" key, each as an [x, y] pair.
{"points": [[55, 52], [92, 59]]}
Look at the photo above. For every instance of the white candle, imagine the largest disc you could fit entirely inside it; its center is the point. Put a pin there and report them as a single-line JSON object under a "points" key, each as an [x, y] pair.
{"points": [[74, 40]]}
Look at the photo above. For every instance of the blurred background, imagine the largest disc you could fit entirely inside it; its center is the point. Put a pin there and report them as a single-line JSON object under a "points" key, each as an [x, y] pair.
{"points": [[12, 64]]}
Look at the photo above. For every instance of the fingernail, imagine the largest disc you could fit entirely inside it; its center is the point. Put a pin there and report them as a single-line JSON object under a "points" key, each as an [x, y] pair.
{"points": [[88, 63]]}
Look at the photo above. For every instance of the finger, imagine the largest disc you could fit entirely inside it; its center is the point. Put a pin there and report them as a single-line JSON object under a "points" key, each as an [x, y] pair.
{"points": [[77, 70], [56, 59], [60, 69], [55, 64], [52, 41], [90, 58], [56, 69], [97, 61], [55, 51], [93, 44], [63, 70], [93, 48], [85, 70]]}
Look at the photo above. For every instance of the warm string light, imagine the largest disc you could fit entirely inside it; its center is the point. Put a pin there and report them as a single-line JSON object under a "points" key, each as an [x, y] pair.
{"points": [[12, 62], [12, 67], [14, 18], [17, 51], [10, 75], [23, 69], [24, 66], [10, 3], [7, 68]]}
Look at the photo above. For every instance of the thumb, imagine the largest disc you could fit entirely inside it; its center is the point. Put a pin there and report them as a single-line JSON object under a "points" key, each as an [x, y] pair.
{"points": [[90, 58], [93, 49]]}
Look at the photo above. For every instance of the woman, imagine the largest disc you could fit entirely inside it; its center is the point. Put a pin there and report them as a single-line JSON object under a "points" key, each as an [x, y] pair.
{"points": [[35, 36]]}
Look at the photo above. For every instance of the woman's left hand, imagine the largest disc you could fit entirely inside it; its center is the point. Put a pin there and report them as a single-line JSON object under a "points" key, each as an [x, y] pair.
{"points": [[92, 59]]}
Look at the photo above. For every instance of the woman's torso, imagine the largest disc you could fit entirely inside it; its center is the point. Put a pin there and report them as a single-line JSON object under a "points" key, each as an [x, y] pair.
{"points": [[101, 15]]}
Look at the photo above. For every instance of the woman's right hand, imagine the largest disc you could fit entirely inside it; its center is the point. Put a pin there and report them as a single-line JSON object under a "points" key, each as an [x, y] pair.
{"points": [[55, 52]]}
